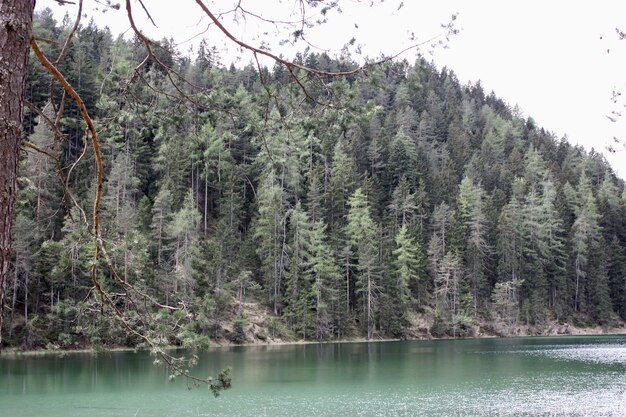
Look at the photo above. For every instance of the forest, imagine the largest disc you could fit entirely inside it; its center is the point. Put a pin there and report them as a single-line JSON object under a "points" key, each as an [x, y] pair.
{"points": [[241, 205]]}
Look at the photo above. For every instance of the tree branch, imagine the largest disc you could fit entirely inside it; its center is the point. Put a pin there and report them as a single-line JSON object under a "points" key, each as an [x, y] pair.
{"points": [[290, 65], [71, 34], [96, 147]]}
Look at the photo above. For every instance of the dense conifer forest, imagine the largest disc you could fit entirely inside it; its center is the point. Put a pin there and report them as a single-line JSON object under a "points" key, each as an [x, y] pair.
{"points": [[391, 203]]}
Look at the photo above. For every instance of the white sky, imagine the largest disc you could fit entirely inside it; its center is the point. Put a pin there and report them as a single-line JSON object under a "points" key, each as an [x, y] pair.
{"points": [[545, 56]]}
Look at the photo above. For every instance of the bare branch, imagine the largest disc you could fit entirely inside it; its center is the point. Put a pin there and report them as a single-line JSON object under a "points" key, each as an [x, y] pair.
{"points": [[66, 184], [147, 12], [148, 44], [96, 147], [37, 149], [71, 34], [51, 124], [290, 65]]}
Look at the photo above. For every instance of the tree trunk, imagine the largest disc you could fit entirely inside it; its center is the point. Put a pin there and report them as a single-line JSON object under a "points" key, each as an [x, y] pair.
{"points": [[14, 298], [16, 23], [578, 272], [206, 200], [369, 306], [26, 298]]}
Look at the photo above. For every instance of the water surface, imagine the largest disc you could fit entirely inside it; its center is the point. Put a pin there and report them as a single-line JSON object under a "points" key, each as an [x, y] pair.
{"points": [[520, 376]]}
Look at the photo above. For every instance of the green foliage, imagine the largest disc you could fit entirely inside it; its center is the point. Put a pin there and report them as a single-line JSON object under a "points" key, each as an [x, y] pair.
{"points": [[361, 232], [239, 330], [222, 382], [412, 195], [410, 269]]}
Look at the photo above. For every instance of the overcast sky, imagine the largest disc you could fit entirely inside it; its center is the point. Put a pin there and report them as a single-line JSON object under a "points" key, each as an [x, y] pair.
{"points": [[558, 60]]}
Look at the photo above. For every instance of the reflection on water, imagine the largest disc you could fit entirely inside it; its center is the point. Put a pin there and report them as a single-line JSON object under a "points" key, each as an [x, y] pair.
{"points": [[524, 376]]}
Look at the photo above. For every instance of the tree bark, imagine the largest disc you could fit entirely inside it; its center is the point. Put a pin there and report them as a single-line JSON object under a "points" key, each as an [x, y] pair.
{"points": [[16, 23]]}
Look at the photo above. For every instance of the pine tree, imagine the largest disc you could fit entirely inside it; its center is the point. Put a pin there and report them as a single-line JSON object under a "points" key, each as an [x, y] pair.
{"points": [[552, 244], [616, 272], [505, 303], [535, 292], [402, 204], [599, 307], [361, 232], [216, 165], [448, 293], [473, 225], [173, 160], [510, 243], [270, 235], [299, 297], [402, 158], [586, 233], [44, 179], [438, 246], [410, 270], [185, 230], [326, 283], [340, 187]]}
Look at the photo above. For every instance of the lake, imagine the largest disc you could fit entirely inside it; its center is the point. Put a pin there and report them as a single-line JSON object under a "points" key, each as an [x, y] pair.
{"points": [[545, 375]]}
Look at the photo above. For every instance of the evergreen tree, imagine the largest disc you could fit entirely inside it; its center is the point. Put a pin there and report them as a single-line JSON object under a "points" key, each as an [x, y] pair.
{"points": [[300, 299], [448, 296], [361, 232], [402, 158], [340, 187], [185, 231], [438, 246], [552, 244], [411, 194], [473, 225], [616, 272], [586, 234], [409, 269], [402, 204], [270, 235], [326, 284], [44, 180]]}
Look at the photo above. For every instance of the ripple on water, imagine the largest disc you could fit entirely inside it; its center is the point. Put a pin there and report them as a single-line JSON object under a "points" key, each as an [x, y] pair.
{"points": [[545, 393], [602, 395], [601, 354]]}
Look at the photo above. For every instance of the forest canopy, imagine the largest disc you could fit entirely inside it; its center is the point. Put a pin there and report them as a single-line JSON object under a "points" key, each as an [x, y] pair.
{"points": [[392, 202]]}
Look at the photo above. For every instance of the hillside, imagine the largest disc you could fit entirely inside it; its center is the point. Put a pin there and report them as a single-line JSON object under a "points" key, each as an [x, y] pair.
{"points": [[391, 203]]}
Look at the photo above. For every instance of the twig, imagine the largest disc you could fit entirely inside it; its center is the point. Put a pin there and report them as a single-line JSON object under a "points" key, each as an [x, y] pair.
{"points": [[55, 129], [289, 64], [71, 34], [37, 149]]}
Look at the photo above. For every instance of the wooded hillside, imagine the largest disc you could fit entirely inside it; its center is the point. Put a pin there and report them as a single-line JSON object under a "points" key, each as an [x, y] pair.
{"points": [[365, 205]]}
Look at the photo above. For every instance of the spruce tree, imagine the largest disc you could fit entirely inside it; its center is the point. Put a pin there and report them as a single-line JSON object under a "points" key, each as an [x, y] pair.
{"points": [[361, 232], [410, 271]]}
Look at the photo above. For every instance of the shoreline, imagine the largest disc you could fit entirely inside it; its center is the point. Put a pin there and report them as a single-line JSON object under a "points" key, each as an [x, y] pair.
{"points": [[574, 332]]}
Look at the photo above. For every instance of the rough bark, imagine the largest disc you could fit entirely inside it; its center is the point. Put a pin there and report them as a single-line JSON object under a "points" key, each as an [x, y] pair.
{"points": [[16, 22]]}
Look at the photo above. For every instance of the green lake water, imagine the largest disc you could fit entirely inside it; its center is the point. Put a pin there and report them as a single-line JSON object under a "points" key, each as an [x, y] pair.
{"points": [[519, 376]]}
